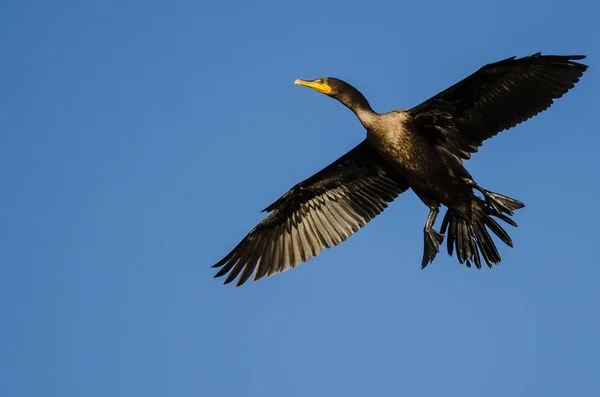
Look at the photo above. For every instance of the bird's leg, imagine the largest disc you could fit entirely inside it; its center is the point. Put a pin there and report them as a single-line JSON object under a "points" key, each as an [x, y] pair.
{"points": [[475, 186], [471, 183], [494, 200], [433, 238]]}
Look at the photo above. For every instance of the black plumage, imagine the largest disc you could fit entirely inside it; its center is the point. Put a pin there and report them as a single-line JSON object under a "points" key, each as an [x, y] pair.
{"points": [[497, 97], [318, 213], [422, 148]]}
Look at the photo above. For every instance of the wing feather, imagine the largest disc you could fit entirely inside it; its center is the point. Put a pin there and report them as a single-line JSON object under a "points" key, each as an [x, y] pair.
{"points": [[495, 98], [318, 213]]}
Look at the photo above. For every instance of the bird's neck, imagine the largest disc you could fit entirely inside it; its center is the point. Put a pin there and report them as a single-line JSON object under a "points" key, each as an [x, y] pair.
{"points": [[366, 115], [360, 106]]}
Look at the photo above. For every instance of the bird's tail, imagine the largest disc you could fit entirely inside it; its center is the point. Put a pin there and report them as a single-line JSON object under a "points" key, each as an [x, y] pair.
{"points": [[471, 238]]}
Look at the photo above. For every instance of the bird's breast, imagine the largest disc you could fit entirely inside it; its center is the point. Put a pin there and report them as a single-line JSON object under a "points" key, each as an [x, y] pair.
{"points": [[409, 153], [415, 158]]}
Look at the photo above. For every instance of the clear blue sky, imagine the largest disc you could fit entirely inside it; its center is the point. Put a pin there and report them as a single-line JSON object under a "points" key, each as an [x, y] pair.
{"points": [[140, 139]]}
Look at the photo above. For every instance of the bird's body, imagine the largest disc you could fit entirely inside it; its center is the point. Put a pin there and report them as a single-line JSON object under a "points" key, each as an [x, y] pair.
{"points": [[423, 149], [431, 172]]}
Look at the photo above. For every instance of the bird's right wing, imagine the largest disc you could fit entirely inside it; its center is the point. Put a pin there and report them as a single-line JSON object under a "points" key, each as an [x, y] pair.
{"points": [[318, 213], [495, 98]]}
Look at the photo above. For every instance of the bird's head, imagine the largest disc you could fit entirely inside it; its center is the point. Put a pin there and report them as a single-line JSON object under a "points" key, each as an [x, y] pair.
{"points": [[325, 85], [339, 90]]}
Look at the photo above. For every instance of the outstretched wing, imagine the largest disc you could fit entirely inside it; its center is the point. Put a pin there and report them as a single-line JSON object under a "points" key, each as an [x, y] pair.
{"points": [[318, 213], [495, 98]]}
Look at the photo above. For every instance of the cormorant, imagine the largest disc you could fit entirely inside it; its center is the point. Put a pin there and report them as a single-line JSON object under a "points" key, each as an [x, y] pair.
{"points": [[422, 148]]}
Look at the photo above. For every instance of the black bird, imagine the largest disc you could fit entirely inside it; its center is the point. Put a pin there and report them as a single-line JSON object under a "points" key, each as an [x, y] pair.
{"points": [[422, 148]]}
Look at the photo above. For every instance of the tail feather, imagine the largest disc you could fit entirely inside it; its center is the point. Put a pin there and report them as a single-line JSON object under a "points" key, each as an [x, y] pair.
{"points": [[470, 237]]}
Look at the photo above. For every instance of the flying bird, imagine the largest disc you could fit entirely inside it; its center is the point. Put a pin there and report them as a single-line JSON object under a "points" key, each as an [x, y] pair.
{"points": [[423, 149]]}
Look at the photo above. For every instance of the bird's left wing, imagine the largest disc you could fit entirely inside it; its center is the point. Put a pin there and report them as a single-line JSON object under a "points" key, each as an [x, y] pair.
{"points": [[318, 213], [497, 97]]}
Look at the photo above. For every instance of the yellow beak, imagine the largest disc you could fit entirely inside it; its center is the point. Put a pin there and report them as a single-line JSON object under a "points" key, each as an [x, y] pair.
{"points": [[316, 85]]}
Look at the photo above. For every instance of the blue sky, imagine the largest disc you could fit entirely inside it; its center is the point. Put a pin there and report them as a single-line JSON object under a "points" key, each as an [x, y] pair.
{"points": [[140, 139]]}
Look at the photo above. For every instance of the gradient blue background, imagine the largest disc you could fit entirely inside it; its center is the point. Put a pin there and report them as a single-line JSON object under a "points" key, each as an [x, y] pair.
{"points": [[140, 139]]}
